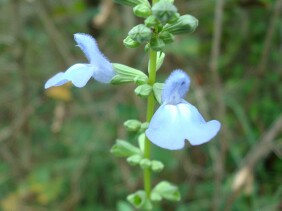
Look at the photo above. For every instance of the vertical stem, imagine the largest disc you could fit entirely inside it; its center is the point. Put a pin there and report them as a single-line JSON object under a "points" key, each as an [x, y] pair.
{"points": [[150, 111]]}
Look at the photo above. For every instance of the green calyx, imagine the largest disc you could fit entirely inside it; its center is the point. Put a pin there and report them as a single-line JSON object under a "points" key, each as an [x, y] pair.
{"points": [[132, 125], [142, 10], [131, 3], [164, 11], [140, 33], [143, 90], [126, 74], [124, 149], [185, 24]]}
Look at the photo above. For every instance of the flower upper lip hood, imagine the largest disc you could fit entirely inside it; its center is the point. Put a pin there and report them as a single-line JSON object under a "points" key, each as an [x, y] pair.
{"points": [[176, 120], [79, 74]]}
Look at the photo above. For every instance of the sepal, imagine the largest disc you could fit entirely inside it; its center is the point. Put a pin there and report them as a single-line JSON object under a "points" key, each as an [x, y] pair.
{"points": [[124, 149], [160, 59], [167, 191], [143, 90], [139, 200], [157, 90], [151, 21], [132, 125], [157, 44], [134, 160], [130, 43], [140, 33], [185, 24], [157, 166], [126, 74], [145, 163], [141, 141], [166, 36], [142, 10]]}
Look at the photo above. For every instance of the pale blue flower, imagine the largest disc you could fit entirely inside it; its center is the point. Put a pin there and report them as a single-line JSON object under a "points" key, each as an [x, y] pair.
{"points": [[176, 120], [79, 74]]}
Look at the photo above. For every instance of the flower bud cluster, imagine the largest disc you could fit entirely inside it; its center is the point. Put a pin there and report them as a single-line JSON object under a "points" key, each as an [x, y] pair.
{"points": [[162, 22]]}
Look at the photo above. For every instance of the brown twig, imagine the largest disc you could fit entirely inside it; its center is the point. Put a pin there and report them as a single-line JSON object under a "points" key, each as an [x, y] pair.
{"points": [[263, 147], [269, 35], [219, 154], [102, 17]]}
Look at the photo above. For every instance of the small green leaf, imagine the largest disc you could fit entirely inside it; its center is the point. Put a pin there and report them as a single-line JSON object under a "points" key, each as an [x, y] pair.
{"points": [[157, 166], [134, 159], [143, 90], [167, 191], [145, 163], [124, 149], [132, 125], [158, 89]]}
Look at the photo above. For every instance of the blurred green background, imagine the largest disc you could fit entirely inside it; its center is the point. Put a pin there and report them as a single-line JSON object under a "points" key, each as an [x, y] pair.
{"points": [[54, 145]]}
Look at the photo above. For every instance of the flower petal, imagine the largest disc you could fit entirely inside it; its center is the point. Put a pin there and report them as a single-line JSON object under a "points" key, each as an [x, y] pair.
{"points": [[104, 72], [172, 124], [166, 129], [197, 130], [78, 74], [56, 80], [176, 86]]}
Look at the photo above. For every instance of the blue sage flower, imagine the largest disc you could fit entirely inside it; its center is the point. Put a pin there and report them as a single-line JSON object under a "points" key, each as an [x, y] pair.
{"points": [[176, 120], [79, 74]]}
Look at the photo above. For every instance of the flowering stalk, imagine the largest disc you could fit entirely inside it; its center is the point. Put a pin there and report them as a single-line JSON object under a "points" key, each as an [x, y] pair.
{"points": [[150, 111]]}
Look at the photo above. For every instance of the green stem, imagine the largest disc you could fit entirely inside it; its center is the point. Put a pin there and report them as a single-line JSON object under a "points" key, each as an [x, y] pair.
{"points": [[150, 112]]}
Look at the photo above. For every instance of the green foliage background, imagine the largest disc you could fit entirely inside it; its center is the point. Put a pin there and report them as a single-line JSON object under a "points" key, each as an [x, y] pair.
{"points": [[54, 152]]}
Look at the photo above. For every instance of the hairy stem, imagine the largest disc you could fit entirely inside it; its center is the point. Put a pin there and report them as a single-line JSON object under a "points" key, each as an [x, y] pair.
{"points": [[150, 111]]}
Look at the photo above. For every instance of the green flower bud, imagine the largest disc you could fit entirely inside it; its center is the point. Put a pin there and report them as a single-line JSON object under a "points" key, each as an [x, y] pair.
{"points": [[157, 44], [145, 163], [137, 199], [124, 149], [167, 191], [127, 74], [164, 11], [142, 10], [157, 166], [143, 90], [151, 21], [140, 33], [131, 3], [132, 125], [185, 24], [155, 197], [134, 159], [166, 37], [130, 43]]}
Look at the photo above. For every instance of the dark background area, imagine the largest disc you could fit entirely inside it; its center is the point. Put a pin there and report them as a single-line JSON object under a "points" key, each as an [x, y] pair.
{"points": [[55, 144]]}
